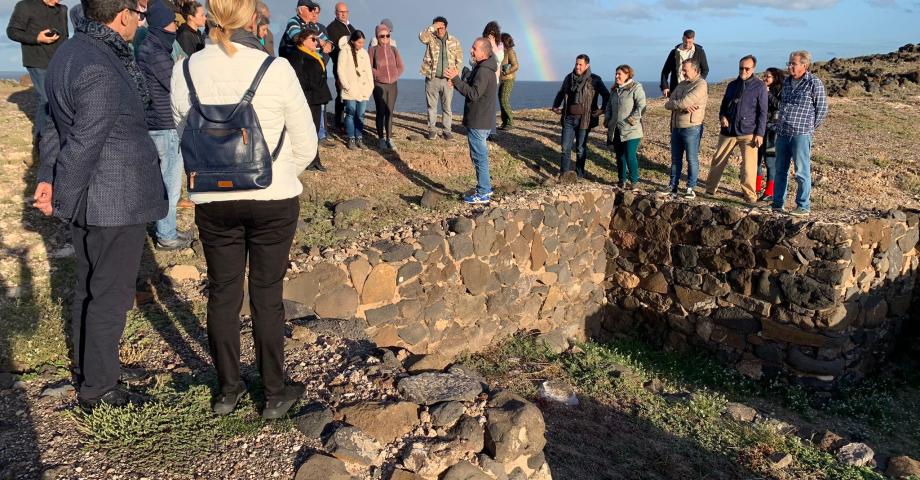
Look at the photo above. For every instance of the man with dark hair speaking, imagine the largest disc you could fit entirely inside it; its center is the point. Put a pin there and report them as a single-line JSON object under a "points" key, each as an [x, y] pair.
{"points": [[104, 180]]}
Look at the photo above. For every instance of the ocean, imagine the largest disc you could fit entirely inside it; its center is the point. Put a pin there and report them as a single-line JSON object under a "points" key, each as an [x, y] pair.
{"points": [[526, 94]]}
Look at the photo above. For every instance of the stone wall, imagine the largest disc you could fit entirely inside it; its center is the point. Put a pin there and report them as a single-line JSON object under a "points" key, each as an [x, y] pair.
{"points": [[767, 294], [535, 262]]}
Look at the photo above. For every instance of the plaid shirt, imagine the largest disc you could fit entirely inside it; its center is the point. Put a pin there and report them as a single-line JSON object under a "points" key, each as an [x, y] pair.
{"points": [[802, 109]]}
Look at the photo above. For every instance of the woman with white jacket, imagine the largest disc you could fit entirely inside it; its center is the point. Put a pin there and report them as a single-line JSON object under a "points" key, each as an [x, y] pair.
{"points": [[357, 79], [254, 224]]}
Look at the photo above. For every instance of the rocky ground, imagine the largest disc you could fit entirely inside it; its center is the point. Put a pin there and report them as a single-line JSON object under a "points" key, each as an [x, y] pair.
{"points": [[864, 161], [889, 74]]}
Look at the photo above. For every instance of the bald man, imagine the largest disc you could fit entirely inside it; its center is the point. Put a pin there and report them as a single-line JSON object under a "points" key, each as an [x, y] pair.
{"points": [[340, 27]]}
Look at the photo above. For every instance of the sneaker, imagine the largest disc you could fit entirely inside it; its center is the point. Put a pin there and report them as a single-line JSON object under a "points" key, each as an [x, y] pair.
{"points": [[690, 194], [800, 212], [431, 135], [668, 190], [476, 199], [328, 142], [226, 403], [382, 144], [117, 397], [278, 407], [777, 210], [447, 135], [317, 166], [177, 243], [621, 185], [632, 186], [489, 193], [351, 144], [391, 145], [360, 142]]}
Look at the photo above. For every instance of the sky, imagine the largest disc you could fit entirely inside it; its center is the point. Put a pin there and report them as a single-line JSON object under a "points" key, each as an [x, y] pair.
{"points": [[550, 34]]}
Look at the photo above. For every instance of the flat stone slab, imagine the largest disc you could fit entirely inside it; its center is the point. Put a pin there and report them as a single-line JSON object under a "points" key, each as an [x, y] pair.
{"points": [[431, 388]]}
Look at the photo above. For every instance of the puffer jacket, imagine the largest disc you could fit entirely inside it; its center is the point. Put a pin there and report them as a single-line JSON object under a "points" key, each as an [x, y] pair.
{"points": [[279, 104], [357, 83], [155, 61], [509, 65], [686, 94], [624, 112], [433, 53]]}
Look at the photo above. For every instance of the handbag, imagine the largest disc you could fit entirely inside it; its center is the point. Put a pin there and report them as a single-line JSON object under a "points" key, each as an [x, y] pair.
{"points": [[223, 147]]}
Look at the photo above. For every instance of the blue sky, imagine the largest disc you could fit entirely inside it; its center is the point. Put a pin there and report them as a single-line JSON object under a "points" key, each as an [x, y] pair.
{"points": [[637, 32]]}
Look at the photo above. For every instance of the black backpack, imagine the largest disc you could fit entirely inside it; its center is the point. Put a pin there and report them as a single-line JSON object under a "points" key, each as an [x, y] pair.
{"points": [[222, 145]]}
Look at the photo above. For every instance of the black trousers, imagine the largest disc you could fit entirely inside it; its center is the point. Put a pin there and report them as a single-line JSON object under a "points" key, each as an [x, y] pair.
{"points": [[107, 259], [339, 103], [385, 102], [230, 232], [316, 111]]}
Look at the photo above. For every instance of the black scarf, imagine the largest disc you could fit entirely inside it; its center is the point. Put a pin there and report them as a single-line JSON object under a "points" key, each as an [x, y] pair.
{"points": [[125, 53], [246, 38], [579, 86]]}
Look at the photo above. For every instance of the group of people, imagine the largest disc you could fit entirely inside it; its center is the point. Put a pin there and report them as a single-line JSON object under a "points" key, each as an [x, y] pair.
{"points": [[770, 120], [121, 93]]}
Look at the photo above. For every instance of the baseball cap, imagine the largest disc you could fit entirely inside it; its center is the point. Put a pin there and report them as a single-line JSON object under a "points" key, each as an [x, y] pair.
{"points": [[307, 3]]}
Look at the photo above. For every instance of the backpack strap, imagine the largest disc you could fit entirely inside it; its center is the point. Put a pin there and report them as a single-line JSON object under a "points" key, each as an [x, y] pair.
{"points": [[192, 94], [251, 92]]}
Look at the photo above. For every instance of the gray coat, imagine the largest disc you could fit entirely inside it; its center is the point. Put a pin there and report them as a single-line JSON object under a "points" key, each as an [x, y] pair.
{"points": [[624, 112], [98, 147]]}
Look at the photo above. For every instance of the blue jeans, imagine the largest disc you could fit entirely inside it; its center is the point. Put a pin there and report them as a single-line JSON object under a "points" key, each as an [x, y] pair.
{"points": [[479, 153], [571, 134], [795, 148], [167, 142], [354, 118], [685, 140], [322, 124], [41, 99]]}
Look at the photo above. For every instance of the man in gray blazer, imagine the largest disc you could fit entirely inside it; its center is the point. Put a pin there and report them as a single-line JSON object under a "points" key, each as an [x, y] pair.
{"points": [[100, 173]]}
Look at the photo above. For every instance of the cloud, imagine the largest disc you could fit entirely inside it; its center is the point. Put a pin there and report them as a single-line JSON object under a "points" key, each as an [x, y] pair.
{"points": [[633, 12], [736, 4], [883, 3], [785, 22]]}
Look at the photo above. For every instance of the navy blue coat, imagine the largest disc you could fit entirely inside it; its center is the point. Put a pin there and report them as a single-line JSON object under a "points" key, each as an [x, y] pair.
{"points": [[749, 115], [155, 60], [97, 147]]}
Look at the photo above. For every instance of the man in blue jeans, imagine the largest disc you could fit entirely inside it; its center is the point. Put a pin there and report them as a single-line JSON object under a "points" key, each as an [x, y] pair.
{"points": [[687, 103], [802, 109], [481, 92], [40, 26], [577, 102]]}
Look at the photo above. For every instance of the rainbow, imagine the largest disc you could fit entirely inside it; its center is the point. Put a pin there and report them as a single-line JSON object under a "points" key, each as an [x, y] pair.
{"points": [[536, 45]]}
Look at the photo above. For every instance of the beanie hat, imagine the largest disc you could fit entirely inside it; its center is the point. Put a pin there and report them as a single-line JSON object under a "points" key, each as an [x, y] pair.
{"points": [[159, 15]]}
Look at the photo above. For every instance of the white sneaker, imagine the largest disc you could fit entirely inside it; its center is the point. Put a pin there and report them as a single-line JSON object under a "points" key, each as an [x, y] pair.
{"points": [[689, 194]]}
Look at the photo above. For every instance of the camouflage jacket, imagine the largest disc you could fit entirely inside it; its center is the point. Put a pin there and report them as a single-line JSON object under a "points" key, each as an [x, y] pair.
{"points": [[433, 53]]}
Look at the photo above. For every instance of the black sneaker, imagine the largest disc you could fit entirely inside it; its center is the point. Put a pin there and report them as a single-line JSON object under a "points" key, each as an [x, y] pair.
{"points": [[117, 397], [277, 407], [447, 135], [227, 402]]}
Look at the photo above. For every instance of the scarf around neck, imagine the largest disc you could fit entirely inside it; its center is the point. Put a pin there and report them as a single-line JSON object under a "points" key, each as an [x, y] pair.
{"points": [[579, 87], [122, 50], [247, 39], [313, 54]]}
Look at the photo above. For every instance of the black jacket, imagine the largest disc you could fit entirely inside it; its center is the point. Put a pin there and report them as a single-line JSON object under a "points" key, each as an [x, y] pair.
{"points": [[29, 18], [672, 66], [336, 30], [312, 77], [481, 92], [190, 39], [104, 151], [155, 61], [600, 92]]}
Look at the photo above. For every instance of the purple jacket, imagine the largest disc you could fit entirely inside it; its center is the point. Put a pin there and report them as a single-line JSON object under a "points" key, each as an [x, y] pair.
{"points": [[746, 114]]}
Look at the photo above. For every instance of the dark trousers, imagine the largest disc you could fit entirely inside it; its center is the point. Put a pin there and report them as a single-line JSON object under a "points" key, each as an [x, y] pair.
{"points": [[627, 158], [573, 136], [230, 231], [385, 102], [317, 112], [107, 259], [339, 103]]}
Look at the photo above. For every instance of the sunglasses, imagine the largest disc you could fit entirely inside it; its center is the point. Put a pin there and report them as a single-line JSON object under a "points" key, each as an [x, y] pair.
{"points": [[140, 15], [383, 36]]}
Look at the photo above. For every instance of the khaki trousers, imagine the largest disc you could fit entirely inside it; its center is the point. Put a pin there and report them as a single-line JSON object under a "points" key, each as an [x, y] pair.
{"points": [[748, 164]]}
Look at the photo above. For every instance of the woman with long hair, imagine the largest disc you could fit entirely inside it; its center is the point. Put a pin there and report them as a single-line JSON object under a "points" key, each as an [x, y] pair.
{"points": [[357, 79], [766, 154], [254, 225], [189, 35], [311, 71], [507, 74], [388, 66], [623, 119], [493, 33]]}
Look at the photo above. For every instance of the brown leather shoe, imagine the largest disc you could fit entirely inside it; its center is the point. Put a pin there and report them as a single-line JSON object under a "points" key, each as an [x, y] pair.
{"points": [[185, 203]]}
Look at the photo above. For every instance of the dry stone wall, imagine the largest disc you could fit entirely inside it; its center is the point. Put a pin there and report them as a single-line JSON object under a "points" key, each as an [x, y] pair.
{"points": [[536, 262], [768, 294]]}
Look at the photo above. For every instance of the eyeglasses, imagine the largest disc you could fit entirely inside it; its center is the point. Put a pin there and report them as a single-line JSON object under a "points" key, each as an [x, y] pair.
{"points": [[383, 36], [314, 39], [140, 15]]}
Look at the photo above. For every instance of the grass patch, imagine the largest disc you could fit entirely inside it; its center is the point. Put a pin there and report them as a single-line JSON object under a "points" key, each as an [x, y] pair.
{"points": [[34, 328], [169, 433]]}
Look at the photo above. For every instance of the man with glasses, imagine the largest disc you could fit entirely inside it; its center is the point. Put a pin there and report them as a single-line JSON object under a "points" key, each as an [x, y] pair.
{"points": [[104, 180], [743, 122], [802, 109], [39, 26], [339, 28]]}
